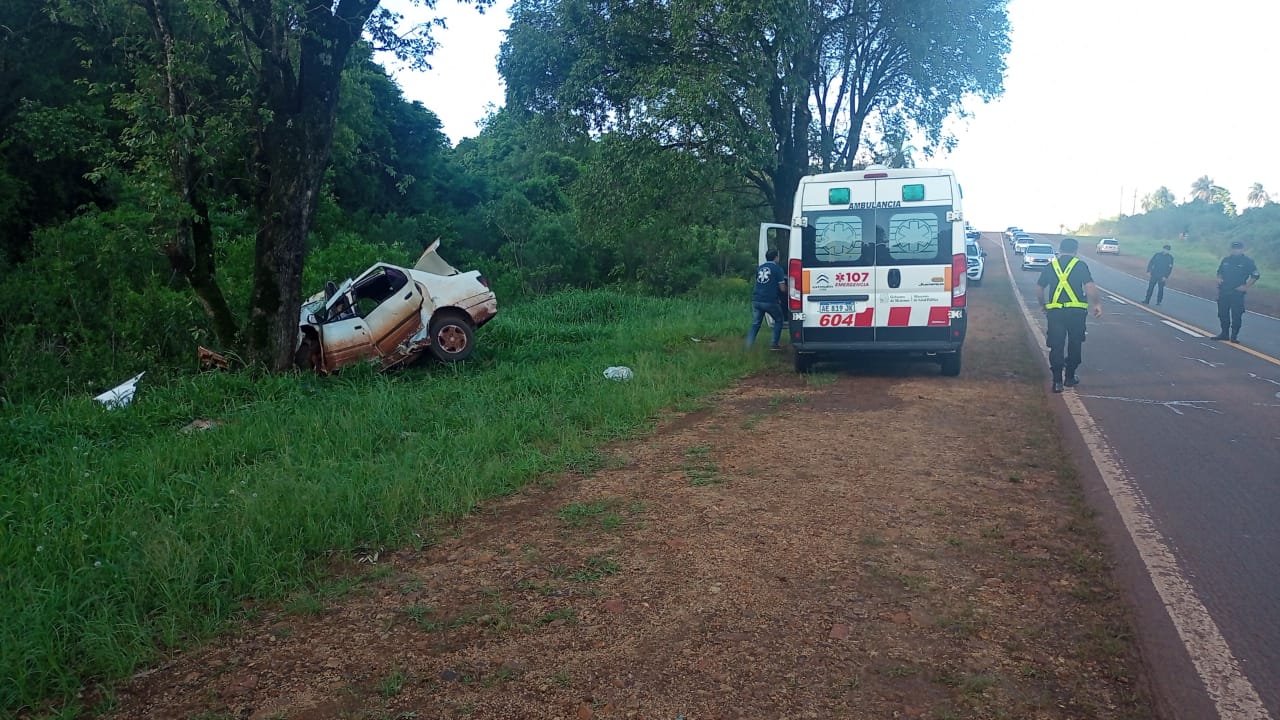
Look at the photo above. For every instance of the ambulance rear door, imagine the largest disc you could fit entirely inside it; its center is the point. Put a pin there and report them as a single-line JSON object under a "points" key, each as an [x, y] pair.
{"points": [[838, 263], [914, 268]]}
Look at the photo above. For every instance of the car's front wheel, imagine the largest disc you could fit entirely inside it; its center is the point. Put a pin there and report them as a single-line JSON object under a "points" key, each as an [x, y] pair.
{"points": [[452, 339]]}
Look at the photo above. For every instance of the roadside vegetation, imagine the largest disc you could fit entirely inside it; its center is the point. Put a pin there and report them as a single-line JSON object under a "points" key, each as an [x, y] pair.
{"points": [[126, 535], [1201, 230]]}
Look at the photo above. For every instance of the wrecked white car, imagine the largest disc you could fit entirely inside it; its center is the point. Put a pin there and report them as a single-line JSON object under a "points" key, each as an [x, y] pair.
{"points": [[390, 315]]}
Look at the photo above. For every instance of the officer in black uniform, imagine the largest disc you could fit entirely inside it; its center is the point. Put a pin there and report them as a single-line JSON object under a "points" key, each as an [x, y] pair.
{"points": [[1067, 310], [1236, 274]]}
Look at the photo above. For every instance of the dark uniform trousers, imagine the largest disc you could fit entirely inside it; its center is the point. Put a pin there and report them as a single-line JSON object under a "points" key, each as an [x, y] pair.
{"points": [[1156, 281], [1065, 334], [1230, 310]]}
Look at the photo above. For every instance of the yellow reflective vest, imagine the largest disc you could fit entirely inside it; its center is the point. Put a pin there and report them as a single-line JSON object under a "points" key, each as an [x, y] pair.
{"points": [[1064, 288]]}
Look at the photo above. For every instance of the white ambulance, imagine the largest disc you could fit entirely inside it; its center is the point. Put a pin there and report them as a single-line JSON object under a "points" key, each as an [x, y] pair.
{"points": [[875, 263]]}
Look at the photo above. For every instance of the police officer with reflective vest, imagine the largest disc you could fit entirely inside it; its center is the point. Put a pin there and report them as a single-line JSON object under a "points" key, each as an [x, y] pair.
{"points": [[1067, 310], [1236, 274]]}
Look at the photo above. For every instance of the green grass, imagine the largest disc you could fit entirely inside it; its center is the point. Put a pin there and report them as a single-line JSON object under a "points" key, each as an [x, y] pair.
{"points": [[121, 536], [596, 568]]}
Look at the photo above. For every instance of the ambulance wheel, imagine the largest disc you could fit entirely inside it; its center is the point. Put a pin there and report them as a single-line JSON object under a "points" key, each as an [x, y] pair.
{"points": [[951, 364], [803, 363]]}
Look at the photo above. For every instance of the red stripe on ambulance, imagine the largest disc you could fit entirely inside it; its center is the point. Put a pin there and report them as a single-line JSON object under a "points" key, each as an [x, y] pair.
{"points": [[866, 318], [900, 316], [939, 316]]}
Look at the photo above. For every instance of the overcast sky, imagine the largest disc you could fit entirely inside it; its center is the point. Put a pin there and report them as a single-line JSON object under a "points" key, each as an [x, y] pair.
{"points": [[1102, 98]]}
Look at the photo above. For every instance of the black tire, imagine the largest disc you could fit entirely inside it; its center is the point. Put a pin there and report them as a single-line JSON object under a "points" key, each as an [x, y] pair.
{"points": [[452, 339], [951, 364], [803, 362]]}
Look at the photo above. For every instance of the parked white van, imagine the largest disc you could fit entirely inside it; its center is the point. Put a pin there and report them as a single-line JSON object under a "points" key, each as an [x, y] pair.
{"points": [[875, 262]]}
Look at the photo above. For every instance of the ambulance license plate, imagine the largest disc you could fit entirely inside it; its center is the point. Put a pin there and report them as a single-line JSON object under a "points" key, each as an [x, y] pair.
{"points": [[836, 307]]}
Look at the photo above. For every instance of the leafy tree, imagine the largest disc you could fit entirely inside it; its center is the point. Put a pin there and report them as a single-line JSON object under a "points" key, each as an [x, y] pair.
{"points": [[1257, 196], [1202, 189], [1221, 196], [50, 129], [1161, 198], [742, 81]]}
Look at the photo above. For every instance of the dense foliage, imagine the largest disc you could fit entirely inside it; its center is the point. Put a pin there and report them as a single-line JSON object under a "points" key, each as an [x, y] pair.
{"points": [[156, 191]]}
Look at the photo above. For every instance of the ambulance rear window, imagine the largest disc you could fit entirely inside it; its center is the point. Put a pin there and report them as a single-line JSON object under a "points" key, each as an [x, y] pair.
{"points": [[837, 239], [916, 237]]}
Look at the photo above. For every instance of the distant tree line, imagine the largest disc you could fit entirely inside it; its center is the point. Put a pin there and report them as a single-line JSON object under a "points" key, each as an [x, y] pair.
{"points": [[1208, 217], [175, 173]]}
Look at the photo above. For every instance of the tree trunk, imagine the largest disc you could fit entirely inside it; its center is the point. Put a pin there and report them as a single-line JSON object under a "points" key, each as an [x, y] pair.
{"points": [[191, 251], [293, 152]]}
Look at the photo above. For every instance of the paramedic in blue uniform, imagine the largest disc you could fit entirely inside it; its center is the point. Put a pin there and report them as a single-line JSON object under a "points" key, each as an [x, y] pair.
{"points": [[766, 299], [1072, 296], [1236, 274]]}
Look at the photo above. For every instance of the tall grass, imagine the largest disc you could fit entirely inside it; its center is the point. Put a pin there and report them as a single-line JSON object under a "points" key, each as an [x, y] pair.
{"points": [[120, 535]]}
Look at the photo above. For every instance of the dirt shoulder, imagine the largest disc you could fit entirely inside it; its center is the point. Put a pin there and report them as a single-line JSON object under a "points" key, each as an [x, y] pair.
{"points": [[876, 542]]}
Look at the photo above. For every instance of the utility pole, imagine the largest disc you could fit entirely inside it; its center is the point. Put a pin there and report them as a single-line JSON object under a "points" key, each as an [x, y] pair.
{"points": [[1121, 215], [1133, 210]]}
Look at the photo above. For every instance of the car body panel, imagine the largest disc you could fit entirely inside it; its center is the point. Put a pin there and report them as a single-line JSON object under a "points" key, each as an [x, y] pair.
{"points": [[1108, 246]]}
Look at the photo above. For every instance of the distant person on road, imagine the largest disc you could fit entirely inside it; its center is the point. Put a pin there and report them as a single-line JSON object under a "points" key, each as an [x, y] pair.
{"points": [[1236, 274], [767, 299], [1067, 311], [1159, 268]]}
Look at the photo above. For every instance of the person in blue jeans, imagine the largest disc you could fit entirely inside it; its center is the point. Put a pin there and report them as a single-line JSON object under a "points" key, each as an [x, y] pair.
{"points": [[766, 298]]}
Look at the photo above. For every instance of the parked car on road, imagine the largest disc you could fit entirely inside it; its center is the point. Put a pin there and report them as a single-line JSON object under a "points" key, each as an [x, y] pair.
{"points": [[976, 262], [390, 315], [1109, 245], [1021, 241], [1037, 255], [1011, 231]]}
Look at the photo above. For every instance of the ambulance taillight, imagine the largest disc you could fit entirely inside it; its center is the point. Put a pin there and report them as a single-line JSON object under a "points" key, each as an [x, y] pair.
{"points": [[959, 279], [795, 271]]}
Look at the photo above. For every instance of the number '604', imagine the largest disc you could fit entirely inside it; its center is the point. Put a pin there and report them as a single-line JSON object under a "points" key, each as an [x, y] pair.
{"points": [[838, 320]]}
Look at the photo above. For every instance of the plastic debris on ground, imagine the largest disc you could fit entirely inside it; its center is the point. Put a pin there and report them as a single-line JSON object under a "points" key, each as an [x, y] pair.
{"points": [[122, 394], [619, 372]]}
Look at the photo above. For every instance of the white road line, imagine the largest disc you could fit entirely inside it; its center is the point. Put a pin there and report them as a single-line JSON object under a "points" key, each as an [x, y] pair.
{"points": [[1170, 404], [1176, 326], [1219, 670], [1203, 362], [1115, 299], [1255, 376]]}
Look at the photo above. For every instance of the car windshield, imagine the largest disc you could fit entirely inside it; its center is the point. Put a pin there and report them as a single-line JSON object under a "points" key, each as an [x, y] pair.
{"points": [[1039, 249], [972, 250], [1110, 242]]}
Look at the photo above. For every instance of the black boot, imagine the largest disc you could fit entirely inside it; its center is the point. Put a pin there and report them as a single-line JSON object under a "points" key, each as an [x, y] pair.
{"points": [[1224, 335]]}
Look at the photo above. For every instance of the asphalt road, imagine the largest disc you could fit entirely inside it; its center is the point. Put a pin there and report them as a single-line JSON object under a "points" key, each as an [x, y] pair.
{"points": [[1196, 427]]}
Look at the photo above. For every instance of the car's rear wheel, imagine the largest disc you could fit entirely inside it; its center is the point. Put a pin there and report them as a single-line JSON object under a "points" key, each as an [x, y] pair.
{"points": [[951, 364], [452, 339]]}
